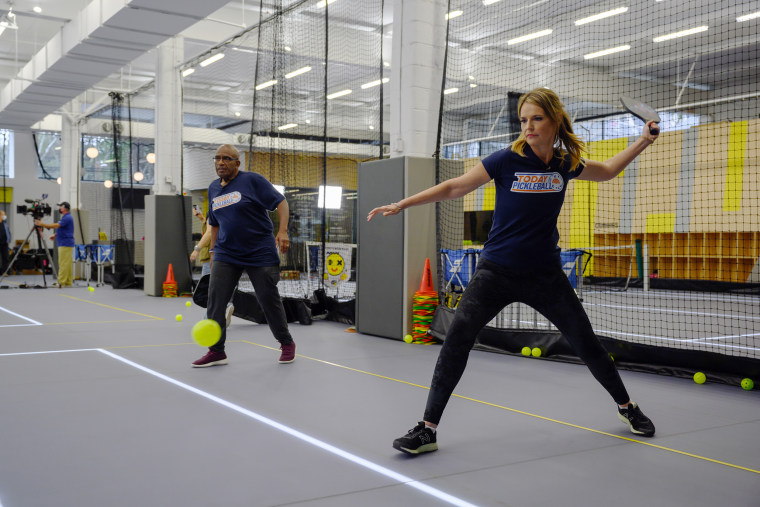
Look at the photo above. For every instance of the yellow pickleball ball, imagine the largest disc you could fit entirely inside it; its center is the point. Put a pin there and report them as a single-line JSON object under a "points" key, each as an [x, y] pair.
{"points": [[525, 351], [187, 303], [91, 289], [747, 384], [206, 332], [408, 338], [536, 352], [699, 377], [178, 317]]}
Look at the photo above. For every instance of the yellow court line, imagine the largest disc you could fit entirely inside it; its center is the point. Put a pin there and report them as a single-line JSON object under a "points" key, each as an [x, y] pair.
{"points": [[113, 307], [627, 439], [98, 322]]}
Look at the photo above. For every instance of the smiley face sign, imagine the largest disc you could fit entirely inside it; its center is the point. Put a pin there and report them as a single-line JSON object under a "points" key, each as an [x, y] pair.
{"points": [[335, 264]]}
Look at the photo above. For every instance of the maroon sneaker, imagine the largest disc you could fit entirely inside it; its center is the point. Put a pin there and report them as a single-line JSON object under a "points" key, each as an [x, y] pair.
{"points": [[212, 358], [288, 353]]}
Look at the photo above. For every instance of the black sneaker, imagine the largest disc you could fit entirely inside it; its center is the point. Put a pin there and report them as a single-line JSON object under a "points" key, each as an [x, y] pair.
{"points": [[635, 418], [417, 440]]}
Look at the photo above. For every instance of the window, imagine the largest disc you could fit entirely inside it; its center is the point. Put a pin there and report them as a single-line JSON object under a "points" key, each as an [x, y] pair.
{"points": [[49, 151], [6, 153], [99, 162]]}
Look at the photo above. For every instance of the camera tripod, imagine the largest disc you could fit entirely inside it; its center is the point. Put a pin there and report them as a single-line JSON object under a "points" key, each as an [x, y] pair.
{"points": [[40, 244]]}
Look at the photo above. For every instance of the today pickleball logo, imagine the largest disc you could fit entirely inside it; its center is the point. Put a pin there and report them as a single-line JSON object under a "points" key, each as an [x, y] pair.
{"points": [[538, 182]]}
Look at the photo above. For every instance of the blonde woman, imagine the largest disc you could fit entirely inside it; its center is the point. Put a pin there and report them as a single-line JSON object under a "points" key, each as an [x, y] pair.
{"points": [[520, 262]]}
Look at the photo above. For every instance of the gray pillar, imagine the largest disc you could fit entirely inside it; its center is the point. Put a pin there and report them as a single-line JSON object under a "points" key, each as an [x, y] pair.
{"points": [[167, 241], [391, 251]]}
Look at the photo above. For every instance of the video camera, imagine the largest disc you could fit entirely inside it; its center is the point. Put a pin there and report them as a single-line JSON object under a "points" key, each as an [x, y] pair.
{"points": [[37, 208]]}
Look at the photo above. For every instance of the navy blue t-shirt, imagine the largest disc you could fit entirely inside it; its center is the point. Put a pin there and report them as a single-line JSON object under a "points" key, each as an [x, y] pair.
{"points": [[240, 210], [529, 196], [65, 234]]}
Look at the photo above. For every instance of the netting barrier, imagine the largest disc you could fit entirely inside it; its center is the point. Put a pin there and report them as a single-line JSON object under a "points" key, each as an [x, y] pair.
{"points": [[673, 243]]}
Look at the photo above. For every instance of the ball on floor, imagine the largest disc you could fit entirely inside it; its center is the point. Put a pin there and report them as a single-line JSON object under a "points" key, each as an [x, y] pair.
{"points": [[408, 338], [188, 303], [91, 289], [700, 377], [178, 317], [526, 351], [536, 352], [747, 384], [206, 332]]}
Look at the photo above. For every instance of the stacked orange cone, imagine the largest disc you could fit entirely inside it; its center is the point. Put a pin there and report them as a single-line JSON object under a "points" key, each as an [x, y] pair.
{"points": [[170, 285], [424, 303]]}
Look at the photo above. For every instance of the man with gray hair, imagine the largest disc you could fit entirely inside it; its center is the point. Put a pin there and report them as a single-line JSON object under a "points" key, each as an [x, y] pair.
{"points": [[243, 239]]}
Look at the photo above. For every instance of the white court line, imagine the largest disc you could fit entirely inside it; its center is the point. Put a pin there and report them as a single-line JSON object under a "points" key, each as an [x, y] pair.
{"points": [[667, 310], [733, 298], [680, 340], [33, 322], [44, 352], [408, 481]]}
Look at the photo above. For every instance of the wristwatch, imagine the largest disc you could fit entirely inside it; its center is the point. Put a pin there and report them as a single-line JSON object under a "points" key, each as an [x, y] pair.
{"points": [[196, 248]]}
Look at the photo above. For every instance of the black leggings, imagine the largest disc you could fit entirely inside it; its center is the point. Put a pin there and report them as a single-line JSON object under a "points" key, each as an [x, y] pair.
{"points": [[493, 287]]}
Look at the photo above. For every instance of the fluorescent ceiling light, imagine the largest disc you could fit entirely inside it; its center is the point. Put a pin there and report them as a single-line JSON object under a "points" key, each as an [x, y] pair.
{"points": [[682, 33], [288, 49], [747, 17], [375, 83], [243, 50], [298, 72], [489, 2], [237, 113], [288, 126], [338, 94], [386, 64], [530, 36], [37, 9], [606, 52], [266, 85], [602, 15], [323, 3], [450, 91], [187, 72], [454, 14], [473, 85], [209, 61]]}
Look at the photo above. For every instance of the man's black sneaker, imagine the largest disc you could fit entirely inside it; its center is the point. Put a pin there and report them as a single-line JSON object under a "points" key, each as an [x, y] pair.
{"points": [[417, 440], [635, 418]]}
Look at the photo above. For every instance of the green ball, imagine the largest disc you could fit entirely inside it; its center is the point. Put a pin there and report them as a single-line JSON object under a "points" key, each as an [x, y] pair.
{"points": [[525, 351], [699, 377], [91, 289], [188, 303], [536, 352], [408, 338], [178, 317], [747, 384], [206, 332]]}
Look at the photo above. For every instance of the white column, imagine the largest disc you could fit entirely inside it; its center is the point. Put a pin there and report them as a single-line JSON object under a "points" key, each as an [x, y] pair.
{"points": [[168, 118], [70, 156], [419, 38]]}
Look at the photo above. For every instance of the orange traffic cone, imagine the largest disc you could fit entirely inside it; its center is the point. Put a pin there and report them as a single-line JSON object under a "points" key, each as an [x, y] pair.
{"points": [[170, 285], [426, 285], [170, 275]]}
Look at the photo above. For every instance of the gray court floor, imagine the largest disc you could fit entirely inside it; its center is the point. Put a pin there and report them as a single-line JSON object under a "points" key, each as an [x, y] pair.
{"points": [[99, 406]]}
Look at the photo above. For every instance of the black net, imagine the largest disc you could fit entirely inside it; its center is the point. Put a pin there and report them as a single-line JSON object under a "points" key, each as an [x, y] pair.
{"points": [[304, 107], [666, 254]]}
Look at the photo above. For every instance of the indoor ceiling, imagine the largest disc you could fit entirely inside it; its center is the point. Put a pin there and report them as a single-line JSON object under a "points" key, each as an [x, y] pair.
{"points": [[722, 62]]}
